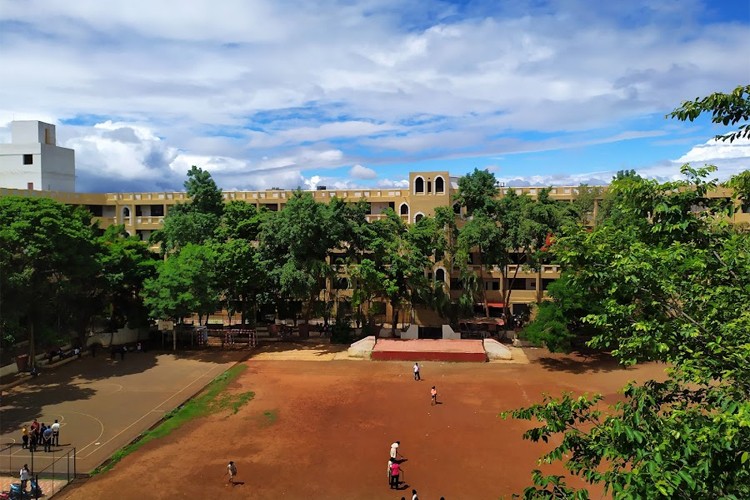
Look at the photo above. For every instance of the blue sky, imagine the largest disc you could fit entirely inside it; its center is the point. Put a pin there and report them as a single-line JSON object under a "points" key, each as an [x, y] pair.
{"points": [[359, 92]]}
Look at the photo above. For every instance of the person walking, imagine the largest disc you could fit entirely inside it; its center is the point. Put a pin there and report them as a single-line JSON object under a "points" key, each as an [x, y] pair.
{"points": [[416, 372], [414, 495], [433, 396], [24, 476], [394, 450], [56, 433], [24, 437], [390, 462], [231, 472], [395, 473]]}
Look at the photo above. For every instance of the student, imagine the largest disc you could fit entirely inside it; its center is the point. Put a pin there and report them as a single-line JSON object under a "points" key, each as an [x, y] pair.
{"points": [[47, 437], [24, 436], [56, 433], [24, 476], [395, 473], [231, 471], [414, 495], [433, 396], [416, 372], [394, 449]]}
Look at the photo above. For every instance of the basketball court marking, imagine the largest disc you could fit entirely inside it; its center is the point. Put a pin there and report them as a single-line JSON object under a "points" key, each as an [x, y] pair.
{"points": [[154, 410]]}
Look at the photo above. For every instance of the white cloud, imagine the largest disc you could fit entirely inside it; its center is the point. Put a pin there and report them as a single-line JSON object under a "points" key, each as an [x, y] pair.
{"points": [[714, 150], [395, 183], [250, 87], [360, 172]]}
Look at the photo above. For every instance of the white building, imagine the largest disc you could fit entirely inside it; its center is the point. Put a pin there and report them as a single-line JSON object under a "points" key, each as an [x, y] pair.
{"points": [[34, 161]]}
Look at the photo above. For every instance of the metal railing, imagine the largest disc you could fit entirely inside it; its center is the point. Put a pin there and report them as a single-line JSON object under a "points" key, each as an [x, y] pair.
{"points": [[52, 470]]}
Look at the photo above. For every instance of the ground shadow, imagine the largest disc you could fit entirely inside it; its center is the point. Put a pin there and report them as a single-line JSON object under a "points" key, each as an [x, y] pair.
{"points": [[321, 348], [580, 362]]}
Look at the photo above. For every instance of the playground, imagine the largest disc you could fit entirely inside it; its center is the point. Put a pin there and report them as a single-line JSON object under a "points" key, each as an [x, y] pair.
{"points": [[322, 429], [102, 403]]}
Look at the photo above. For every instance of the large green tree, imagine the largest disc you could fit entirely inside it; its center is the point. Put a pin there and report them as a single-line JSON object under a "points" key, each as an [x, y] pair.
{"points": [[295, 242], [670, 277], [196, 221], [50, 277]]}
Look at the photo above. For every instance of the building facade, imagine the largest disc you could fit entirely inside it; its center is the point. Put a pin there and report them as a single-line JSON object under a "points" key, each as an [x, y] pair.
{"points": [[143, 213], [34, 161]]}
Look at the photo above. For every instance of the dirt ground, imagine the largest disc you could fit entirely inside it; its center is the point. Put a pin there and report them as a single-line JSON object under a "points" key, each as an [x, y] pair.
{"points": [[322, 430]]}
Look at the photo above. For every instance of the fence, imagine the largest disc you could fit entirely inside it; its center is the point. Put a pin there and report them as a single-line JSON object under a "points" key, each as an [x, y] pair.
{"points": [[230, 338], [52, 470]]}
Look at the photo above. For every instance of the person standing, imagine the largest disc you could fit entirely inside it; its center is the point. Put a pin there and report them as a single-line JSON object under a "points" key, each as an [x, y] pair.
{"points": [[24, 437], [390, 462], [231, 471], [394, 450], [56, 433], [416, 372], [433, 396], [395, 473], [47, 437], [414, 495], [24, 476]]}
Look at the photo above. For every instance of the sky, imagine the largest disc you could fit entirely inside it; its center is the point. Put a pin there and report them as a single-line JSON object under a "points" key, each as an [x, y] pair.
{"points": [[353, 93]]}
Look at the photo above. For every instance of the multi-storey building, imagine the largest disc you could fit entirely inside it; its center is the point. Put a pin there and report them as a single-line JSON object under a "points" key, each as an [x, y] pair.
{"points": [[143, 213]]}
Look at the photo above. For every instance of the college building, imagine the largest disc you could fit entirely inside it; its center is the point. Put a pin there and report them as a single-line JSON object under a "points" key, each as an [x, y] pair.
{"points": [[34, 166]]}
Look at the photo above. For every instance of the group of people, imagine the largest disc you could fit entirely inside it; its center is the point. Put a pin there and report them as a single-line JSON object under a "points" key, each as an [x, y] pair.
{"points": [[394, 470], [36, 434]]}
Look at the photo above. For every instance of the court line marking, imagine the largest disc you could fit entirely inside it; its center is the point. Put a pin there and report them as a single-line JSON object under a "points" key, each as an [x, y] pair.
{"points": [[101, 445]]}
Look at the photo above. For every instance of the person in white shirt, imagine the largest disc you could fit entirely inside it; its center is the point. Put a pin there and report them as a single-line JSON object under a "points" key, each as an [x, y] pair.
{"points": [[56, 433], [231, 471], [416, 372], [24, 476], [394, 450]]}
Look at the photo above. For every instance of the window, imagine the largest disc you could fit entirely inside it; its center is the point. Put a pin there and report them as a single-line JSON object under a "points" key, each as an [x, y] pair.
{"points": [[492, 285], [418, 217], [429, 186], [157, 210], [28, 159], [439, 185], [456, 284], [404, 210], [440, 275], [392, 205], [419, 185]]}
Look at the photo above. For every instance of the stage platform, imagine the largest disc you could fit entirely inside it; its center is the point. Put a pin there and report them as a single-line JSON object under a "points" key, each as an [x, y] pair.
{"points": [[429, 350]]}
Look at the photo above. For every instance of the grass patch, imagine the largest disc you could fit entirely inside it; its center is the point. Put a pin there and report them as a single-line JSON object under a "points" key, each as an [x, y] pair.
{"points": [[212, 399], [270, 417]]}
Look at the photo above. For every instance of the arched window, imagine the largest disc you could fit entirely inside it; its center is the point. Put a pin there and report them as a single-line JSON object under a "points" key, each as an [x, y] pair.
{"points": [[439, 185], [404, 210], [440, 274], [418, 217], [126, 212], [419, 185]]}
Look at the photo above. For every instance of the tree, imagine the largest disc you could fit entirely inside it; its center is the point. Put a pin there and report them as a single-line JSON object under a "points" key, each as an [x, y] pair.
{"points": [[242, 277], [296, 241], [185, 284], [395, 270], [725, 109], [205, 195], [194, 222], [669, 283], [50, 277], [477, 191], [126, 263]]}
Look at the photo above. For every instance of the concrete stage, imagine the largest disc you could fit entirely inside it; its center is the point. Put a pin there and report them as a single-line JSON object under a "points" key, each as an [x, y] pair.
{"points": [[429, 350]]}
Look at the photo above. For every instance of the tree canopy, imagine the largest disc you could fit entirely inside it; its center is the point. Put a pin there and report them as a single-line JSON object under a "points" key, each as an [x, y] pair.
{"points": [[665, 277]]}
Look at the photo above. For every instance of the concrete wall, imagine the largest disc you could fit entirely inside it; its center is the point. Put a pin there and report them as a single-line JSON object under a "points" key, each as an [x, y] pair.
{"points": [[58, 169]]}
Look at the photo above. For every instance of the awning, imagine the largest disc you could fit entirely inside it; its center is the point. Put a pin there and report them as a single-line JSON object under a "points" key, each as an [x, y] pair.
{"points": [[495, 304]]}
